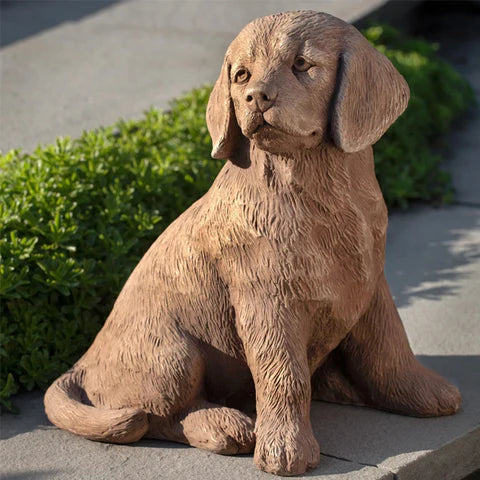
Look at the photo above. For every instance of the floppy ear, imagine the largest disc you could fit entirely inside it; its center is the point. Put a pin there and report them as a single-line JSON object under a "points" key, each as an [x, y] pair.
{"points": [[370, 95], [221, 121]]}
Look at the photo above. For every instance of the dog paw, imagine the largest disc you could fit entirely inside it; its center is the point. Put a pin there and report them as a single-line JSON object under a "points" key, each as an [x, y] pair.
{"points": [[222, 430], [287, 451], [424, 393], [436, 396]]}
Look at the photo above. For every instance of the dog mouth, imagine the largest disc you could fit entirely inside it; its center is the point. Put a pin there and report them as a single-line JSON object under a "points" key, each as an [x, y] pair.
{"points": [[261, 127], [265, 125]]}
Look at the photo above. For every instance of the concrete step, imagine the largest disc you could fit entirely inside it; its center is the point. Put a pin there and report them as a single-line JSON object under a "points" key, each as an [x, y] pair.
{"points": [[434, 273]]}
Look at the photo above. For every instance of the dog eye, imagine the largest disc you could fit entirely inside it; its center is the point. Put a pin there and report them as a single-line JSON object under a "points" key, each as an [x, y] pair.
{"points": [[242, 76], [300, 64]]}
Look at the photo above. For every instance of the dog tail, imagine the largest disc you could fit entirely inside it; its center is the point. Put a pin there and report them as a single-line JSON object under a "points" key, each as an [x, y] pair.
{"points": [[64, 408]]}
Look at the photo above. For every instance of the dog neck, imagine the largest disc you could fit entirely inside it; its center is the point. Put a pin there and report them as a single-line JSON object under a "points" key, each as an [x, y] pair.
{"points": [[324, 175], [280, 195], [316, 172]]}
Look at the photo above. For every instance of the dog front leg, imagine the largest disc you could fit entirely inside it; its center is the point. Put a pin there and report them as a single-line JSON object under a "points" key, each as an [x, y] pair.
{"points": [[275, 347]]}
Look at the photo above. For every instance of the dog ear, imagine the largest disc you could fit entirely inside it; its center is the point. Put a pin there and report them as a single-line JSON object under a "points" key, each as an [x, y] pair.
{"points": [[221, 121], [370, 95]]}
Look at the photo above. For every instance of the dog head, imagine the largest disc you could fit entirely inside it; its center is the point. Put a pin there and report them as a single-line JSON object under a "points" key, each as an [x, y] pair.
{"points": [[295, 80]]}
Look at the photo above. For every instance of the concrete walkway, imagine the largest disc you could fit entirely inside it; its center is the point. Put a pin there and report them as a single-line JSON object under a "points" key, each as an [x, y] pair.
{"points": [[74, 65], [434, 271], [433, 255]]}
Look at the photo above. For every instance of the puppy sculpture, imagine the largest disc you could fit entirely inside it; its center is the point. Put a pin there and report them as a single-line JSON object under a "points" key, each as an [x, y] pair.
{"points": [[272, 283]]}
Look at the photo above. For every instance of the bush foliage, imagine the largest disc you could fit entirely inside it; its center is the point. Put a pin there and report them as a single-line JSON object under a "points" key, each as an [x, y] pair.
{"points": [[406, 165], [75, 217]]}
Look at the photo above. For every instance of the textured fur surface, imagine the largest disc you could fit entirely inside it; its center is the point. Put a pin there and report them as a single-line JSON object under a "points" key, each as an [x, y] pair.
{"points": [[270, 288]]}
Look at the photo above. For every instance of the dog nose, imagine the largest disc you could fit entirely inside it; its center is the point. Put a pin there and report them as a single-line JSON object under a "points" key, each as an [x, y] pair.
{"points": [[260, 97]]}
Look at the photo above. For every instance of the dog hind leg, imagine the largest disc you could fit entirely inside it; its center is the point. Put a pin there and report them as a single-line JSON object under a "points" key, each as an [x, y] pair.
{"points": [[208, 426], [182, 414], [330, 382], [384, 369]]}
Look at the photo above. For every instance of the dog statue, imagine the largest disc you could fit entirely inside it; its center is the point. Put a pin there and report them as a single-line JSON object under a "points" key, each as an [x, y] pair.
{"points": [[271, 285]]}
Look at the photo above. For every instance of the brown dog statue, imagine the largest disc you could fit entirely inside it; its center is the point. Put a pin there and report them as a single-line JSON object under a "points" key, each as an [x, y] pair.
{"points": [[271, 285]]}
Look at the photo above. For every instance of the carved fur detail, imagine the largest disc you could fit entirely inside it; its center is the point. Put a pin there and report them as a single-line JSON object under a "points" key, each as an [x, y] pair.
{"points": [[271, 286]]}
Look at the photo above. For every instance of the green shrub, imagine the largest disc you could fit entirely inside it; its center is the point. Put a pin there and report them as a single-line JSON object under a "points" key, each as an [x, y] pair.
{"points": [[406, 165], [76, 217]]}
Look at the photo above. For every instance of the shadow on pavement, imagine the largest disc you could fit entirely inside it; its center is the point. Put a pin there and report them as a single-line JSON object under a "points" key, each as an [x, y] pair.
{"points": [[21, 19], [31, 475], [362, 436], [431, 252], [370, 437]]}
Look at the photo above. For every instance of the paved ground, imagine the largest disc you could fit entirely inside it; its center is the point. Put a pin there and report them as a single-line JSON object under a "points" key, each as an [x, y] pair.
{"points": [[74, 65], [433, 267]]}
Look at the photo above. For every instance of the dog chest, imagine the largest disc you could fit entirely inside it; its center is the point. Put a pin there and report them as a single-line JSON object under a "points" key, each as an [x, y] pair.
{"points": [[324, 257]]}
